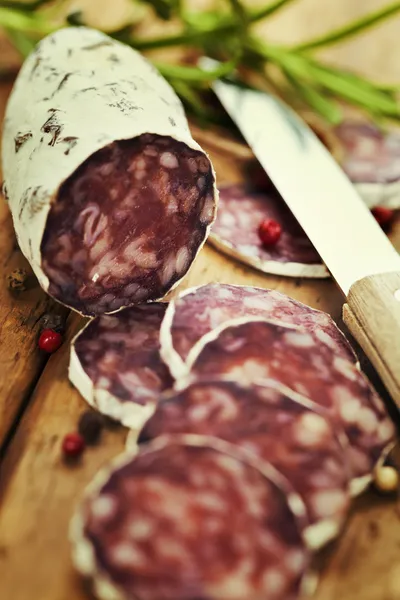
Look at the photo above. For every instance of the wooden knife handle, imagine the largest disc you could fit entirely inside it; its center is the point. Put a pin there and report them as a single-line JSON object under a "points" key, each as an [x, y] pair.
{"points": [[372, 314]]}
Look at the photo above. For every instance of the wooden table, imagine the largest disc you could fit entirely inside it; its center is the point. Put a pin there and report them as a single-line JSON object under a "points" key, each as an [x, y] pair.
{"points": [[38, 405]]}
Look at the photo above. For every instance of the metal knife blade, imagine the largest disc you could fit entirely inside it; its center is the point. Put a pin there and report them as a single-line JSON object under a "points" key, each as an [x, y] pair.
{"points": [[315, 188]]}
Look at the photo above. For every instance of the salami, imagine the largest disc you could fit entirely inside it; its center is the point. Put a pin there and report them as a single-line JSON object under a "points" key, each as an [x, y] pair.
{"points": [[199, 310], [189, 518], [235, 232], [110, 196], [278, 427], [116, 365], [372, 161], [250, 350]]}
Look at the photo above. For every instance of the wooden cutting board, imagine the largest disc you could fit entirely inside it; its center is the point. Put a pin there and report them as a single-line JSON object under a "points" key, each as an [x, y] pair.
{"points": [[38, 406]]}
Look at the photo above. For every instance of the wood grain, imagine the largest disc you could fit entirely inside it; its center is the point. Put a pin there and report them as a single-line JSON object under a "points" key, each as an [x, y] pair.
{"points": [[372, 314], [38, 491], [20, 361]]}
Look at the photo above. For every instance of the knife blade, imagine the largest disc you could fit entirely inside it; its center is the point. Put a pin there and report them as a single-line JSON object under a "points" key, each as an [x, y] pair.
{"points": [[357, 252], [315, 188]]}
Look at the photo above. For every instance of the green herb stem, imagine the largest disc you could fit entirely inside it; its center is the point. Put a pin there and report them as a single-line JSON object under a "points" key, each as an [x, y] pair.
{"points": [[322, 105], [23, 6], [338, 35], [21, 42], [18, 21], [307, 71], [375, 99], [156, 42], [195, 37], [239, 11], [224, 33], [362, 82], [190, 97], [195, 74], [267, 11]]}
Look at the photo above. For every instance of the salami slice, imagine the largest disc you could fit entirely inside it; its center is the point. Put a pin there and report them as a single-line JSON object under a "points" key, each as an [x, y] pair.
{"points": [[250, 350], [111, 198], [235, 232], [189, 518], [372, 161], [116, 365], [279, 428], [199, 310]]}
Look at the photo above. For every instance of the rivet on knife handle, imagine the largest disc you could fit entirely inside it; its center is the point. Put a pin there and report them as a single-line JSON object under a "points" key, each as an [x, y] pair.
{"points": [[372, 314]]}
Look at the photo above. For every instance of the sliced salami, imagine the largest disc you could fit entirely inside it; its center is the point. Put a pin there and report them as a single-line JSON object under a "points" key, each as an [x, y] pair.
{"points": [[189, 518], [199, 310], [111, 197], [372, 161], [251, 350], [278, 427], [116, 365], [235, 232]]}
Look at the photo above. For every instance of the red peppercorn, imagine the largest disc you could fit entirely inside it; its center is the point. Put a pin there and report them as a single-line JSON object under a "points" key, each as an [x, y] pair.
{"points": [[73, 445], [269, 231], [383, 215], [50, 340]]}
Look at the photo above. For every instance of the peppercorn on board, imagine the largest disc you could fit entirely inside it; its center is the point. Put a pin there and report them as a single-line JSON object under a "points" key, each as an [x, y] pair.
{"points": [[38, 407]]}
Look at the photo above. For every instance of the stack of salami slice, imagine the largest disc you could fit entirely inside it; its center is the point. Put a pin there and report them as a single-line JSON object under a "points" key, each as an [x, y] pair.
{"points": [[252, 428]]}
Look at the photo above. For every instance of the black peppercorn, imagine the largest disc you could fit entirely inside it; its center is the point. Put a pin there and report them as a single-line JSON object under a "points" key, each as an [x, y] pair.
{"points": [[17, 280], [54, 322], [90, 426]]}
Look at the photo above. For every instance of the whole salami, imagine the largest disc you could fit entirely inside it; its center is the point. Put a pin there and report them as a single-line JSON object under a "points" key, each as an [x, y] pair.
{"points": [[277, 427], [189, 518], [200, 310], [250, 350], [111, 197], [116, 365]]}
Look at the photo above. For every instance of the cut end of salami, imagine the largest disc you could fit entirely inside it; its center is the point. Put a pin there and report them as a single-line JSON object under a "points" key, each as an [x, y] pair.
{"points": [[253, 350], [111, 197], [186, 519], [126, 226], [116, 365], [235, 232], [200, 310], [276, 427]]}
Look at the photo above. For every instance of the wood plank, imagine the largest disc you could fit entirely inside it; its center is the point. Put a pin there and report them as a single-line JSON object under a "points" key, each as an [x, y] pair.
{"points": [[43, 487], [19, 320], [364, 562], [38, 491]]}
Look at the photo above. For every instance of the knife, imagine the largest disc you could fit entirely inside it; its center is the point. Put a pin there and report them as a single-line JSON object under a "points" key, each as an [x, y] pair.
{"points": [[352, 245]]}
